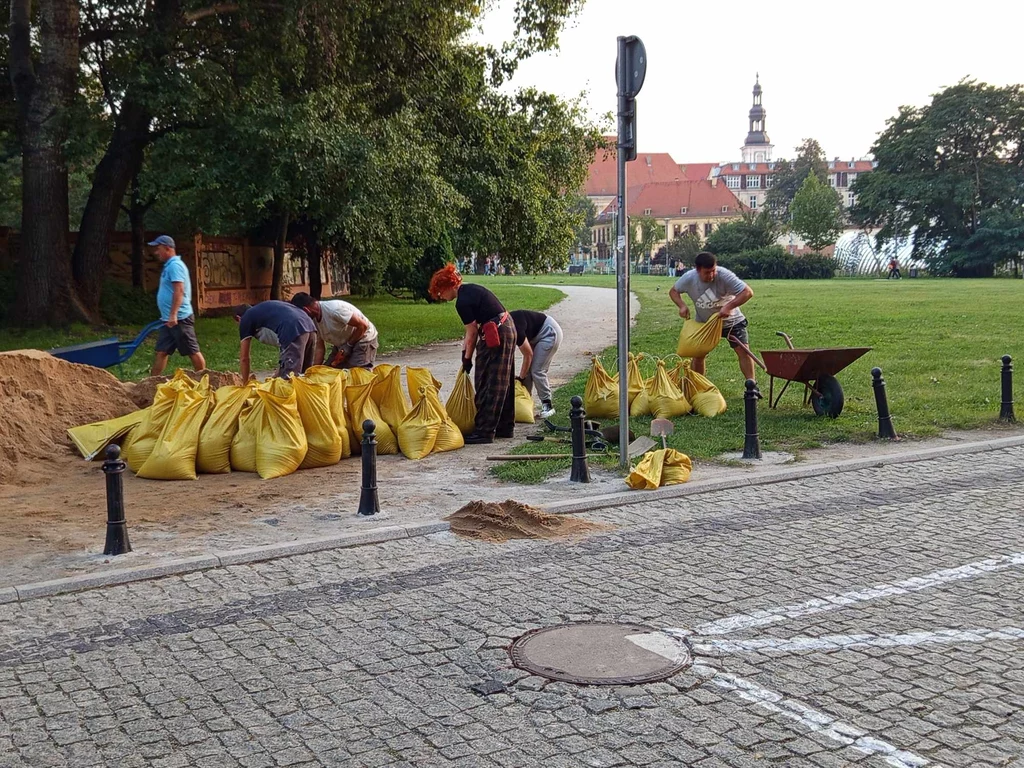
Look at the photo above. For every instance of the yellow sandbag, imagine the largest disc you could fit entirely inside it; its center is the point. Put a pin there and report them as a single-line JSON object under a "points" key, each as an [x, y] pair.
{"points": [[418, 431], [634, 379], [461, 405], [665, 466], [335, 380], [141, 440], [359, 376], [666, 400], [214, 454], [419, 377], [698, 339], [360, 408], [322, 437], [174, 454], [524, 405], [243, 444], [601, 396], [705, 397], [449, 436], [387, 393], [675, 373], [282, 443], [92, 439], [641, 405]]}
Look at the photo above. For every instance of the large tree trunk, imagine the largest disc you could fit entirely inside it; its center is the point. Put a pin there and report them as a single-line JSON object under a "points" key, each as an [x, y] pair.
{"points": [[44, 93], [120, 163], [279, 244], [314, 258], [137, 218]]}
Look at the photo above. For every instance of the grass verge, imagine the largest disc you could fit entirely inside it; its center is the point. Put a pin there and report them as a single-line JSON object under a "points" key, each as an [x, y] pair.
{"points": [[401, 323], [938, 343]]}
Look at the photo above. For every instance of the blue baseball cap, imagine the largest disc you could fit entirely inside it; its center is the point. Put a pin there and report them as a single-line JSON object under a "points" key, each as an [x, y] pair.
{"points": [[163, 240]]}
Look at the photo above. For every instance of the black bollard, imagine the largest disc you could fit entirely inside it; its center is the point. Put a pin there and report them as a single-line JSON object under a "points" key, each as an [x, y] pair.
{"points": [[117, 527], [885, 428], [580, 471], [1006, 411], [752, 440], [368, 503]]}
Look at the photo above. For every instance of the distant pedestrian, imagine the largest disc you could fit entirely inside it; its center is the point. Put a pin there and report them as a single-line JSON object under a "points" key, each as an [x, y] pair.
{"points": [[894, 270], [671, 268], [174, 300], [351, 334], [538, 337], [294, 329]]}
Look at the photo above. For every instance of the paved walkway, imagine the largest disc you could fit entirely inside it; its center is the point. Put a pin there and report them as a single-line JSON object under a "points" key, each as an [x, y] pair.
{"points": [[873, 618]]}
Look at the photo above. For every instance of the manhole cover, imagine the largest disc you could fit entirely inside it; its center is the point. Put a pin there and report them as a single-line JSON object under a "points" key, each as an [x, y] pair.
{"points": [[601, 654]]}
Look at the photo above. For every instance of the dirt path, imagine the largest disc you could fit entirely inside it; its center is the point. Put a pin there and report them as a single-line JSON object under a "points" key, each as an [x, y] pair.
{"points": [[53, 530]]}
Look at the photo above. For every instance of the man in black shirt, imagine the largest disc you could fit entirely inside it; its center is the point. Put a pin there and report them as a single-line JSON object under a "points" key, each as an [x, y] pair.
{"points": [[295, 331], [538, 337]]}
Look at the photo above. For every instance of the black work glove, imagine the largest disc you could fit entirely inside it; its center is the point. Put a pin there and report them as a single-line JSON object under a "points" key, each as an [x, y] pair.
{"points": [[467, 364], [521, 380]]}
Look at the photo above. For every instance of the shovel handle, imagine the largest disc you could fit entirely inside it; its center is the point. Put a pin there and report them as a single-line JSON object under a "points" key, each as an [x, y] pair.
{"points": [[746, 350], [531, 457]]}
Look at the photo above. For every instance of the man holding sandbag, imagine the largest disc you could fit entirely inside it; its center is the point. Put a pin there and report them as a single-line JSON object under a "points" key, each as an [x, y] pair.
{"points": [[715, 290]]}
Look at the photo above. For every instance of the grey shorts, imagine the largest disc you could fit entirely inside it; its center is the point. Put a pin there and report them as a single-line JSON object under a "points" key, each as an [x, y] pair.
{"points": [[364, 353], [739, 331], [181, 338], [297, 356]]}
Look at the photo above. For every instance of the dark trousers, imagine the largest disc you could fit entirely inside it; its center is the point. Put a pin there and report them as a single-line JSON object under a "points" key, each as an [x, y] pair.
{"points": [[495, 374]]}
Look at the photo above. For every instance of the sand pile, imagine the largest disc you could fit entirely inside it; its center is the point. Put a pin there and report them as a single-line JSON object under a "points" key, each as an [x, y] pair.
{"points": [[142, 392], [488, 521], [41, 397]]}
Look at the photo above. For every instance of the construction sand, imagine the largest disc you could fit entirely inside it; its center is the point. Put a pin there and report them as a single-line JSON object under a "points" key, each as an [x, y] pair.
{"points": [[142, 392], [497, 523]]}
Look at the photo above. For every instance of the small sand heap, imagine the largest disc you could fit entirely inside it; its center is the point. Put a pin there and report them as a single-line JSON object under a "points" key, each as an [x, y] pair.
{"points": [[488, 521], [41, 397], [142, 392]]}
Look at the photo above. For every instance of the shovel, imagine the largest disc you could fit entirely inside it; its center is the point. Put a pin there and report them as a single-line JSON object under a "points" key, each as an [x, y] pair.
{"points": [[662, 428]]}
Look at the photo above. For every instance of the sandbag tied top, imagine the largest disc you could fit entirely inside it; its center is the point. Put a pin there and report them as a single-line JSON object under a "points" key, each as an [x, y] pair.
{"points": [[699, 339], [601, 395], [461, 404]]}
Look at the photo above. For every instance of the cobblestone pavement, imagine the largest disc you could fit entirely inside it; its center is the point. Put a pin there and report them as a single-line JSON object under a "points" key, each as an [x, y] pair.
{"points": [[873, 618]]}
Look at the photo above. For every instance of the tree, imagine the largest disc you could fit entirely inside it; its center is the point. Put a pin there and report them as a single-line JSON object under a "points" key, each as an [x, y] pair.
{"points": [[951, 174], [789, 177], [817, 214], [644, 232], [683, 247], [583, 239], [749, 233]]}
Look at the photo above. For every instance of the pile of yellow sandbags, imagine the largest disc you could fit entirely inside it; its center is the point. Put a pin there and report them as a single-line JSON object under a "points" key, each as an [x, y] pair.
{"points": [[281, 425]]}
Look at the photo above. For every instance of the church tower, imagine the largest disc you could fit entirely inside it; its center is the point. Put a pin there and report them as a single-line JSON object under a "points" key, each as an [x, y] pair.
{"points": [[758, 147]]}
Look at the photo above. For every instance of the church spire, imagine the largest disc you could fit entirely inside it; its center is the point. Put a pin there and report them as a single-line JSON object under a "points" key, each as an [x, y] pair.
{"points": [[757, 147]]}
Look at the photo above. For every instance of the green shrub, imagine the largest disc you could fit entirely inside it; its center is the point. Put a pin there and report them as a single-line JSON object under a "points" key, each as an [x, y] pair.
{"points": [[774, 262], [124, 305]]}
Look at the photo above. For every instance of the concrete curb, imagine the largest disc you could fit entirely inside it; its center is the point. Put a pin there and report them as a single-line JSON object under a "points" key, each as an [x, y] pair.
{"points": [[26, 592]]}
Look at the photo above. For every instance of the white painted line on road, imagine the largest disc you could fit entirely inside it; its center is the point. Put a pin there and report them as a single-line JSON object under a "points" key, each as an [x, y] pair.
{"points": [[832, 602], [818, 721], [841, 642]]}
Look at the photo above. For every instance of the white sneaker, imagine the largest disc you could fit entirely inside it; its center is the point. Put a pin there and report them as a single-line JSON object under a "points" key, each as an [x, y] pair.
{"points": [[547, 411]]}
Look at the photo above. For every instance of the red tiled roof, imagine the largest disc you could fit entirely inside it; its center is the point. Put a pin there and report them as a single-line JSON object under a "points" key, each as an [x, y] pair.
{"points": [[602, 178], [667, 199], [696, 171]]}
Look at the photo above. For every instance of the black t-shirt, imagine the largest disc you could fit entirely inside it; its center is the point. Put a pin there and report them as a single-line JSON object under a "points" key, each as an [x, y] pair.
{"points": [[286, 320], [476, 303], [528, 324]]}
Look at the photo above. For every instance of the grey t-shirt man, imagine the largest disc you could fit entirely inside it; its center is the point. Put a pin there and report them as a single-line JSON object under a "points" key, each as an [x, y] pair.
{"points": [[708, 298]]}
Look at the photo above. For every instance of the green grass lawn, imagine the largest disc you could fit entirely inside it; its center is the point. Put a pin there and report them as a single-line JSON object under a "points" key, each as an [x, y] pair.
{"points": [[938, 343], [401, 323]]}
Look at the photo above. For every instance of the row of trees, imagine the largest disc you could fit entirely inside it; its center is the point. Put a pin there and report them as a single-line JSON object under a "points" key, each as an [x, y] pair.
{"points": [[375, 130]]}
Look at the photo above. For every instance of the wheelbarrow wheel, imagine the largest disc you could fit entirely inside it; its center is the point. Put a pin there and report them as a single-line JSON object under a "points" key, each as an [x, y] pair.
{"points": [[828, 399]]}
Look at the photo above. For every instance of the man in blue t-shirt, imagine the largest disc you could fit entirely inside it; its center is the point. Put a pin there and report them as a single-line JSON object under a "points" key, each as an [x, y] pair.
{"points": [[294, 329], [715, 290], [174, 300]]}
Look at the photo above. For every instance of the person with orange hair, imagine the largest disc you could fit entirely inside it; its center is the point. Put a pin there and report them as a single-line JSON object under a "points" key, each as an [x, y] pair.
{"points": [[490, 331]]}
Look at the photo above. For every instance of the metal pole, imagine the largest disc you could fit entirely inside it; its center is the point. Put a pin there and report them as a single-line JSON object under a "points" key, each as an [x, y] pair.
{"points": [[752, 440], [885, 428], [117, 527], [580, 472], [368, 503], [1006, 411], [622, 260]]}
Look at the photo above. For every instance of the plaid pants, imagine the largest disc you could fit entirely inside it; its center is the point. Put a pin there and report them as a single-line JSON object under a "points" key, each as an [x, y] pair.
{"points": [[495, 374]]}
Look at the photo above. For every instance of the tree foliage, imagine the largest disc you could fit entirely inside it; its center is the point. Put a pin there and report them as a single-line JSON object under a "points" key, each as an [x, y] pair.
{"points": [[644, 232], [951, 174], [751, 232], [790, 176], [817, 214], [684, 248]]}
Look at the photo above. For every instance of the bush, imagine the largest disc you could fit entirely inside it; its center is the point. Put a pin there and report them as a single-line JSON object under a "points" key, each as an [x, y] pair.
{"points": [[774, 262], [122, 304]]}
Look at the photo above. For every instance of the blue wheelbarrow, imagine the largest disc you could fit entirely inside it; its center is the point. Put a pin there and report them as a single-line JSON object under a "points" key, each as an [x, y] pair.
{"points": [[105, 353]]}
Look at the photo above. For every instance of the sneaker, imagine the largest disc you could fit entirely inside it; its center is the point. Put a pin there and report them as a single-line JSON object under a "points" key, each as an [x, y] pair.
{"points": [[477, 439], [547, 410]]}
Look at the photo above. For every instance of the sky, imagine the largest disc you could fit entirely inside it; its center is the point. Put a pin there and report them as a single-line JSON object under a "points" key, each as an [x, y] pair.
{"points": [[830, 71]]}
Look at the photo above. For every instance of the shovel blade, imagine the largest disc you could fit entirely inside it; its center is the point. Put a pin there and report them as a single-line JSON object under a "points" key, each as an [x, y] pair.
{"points": [[662, 428], [640, 446]]}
